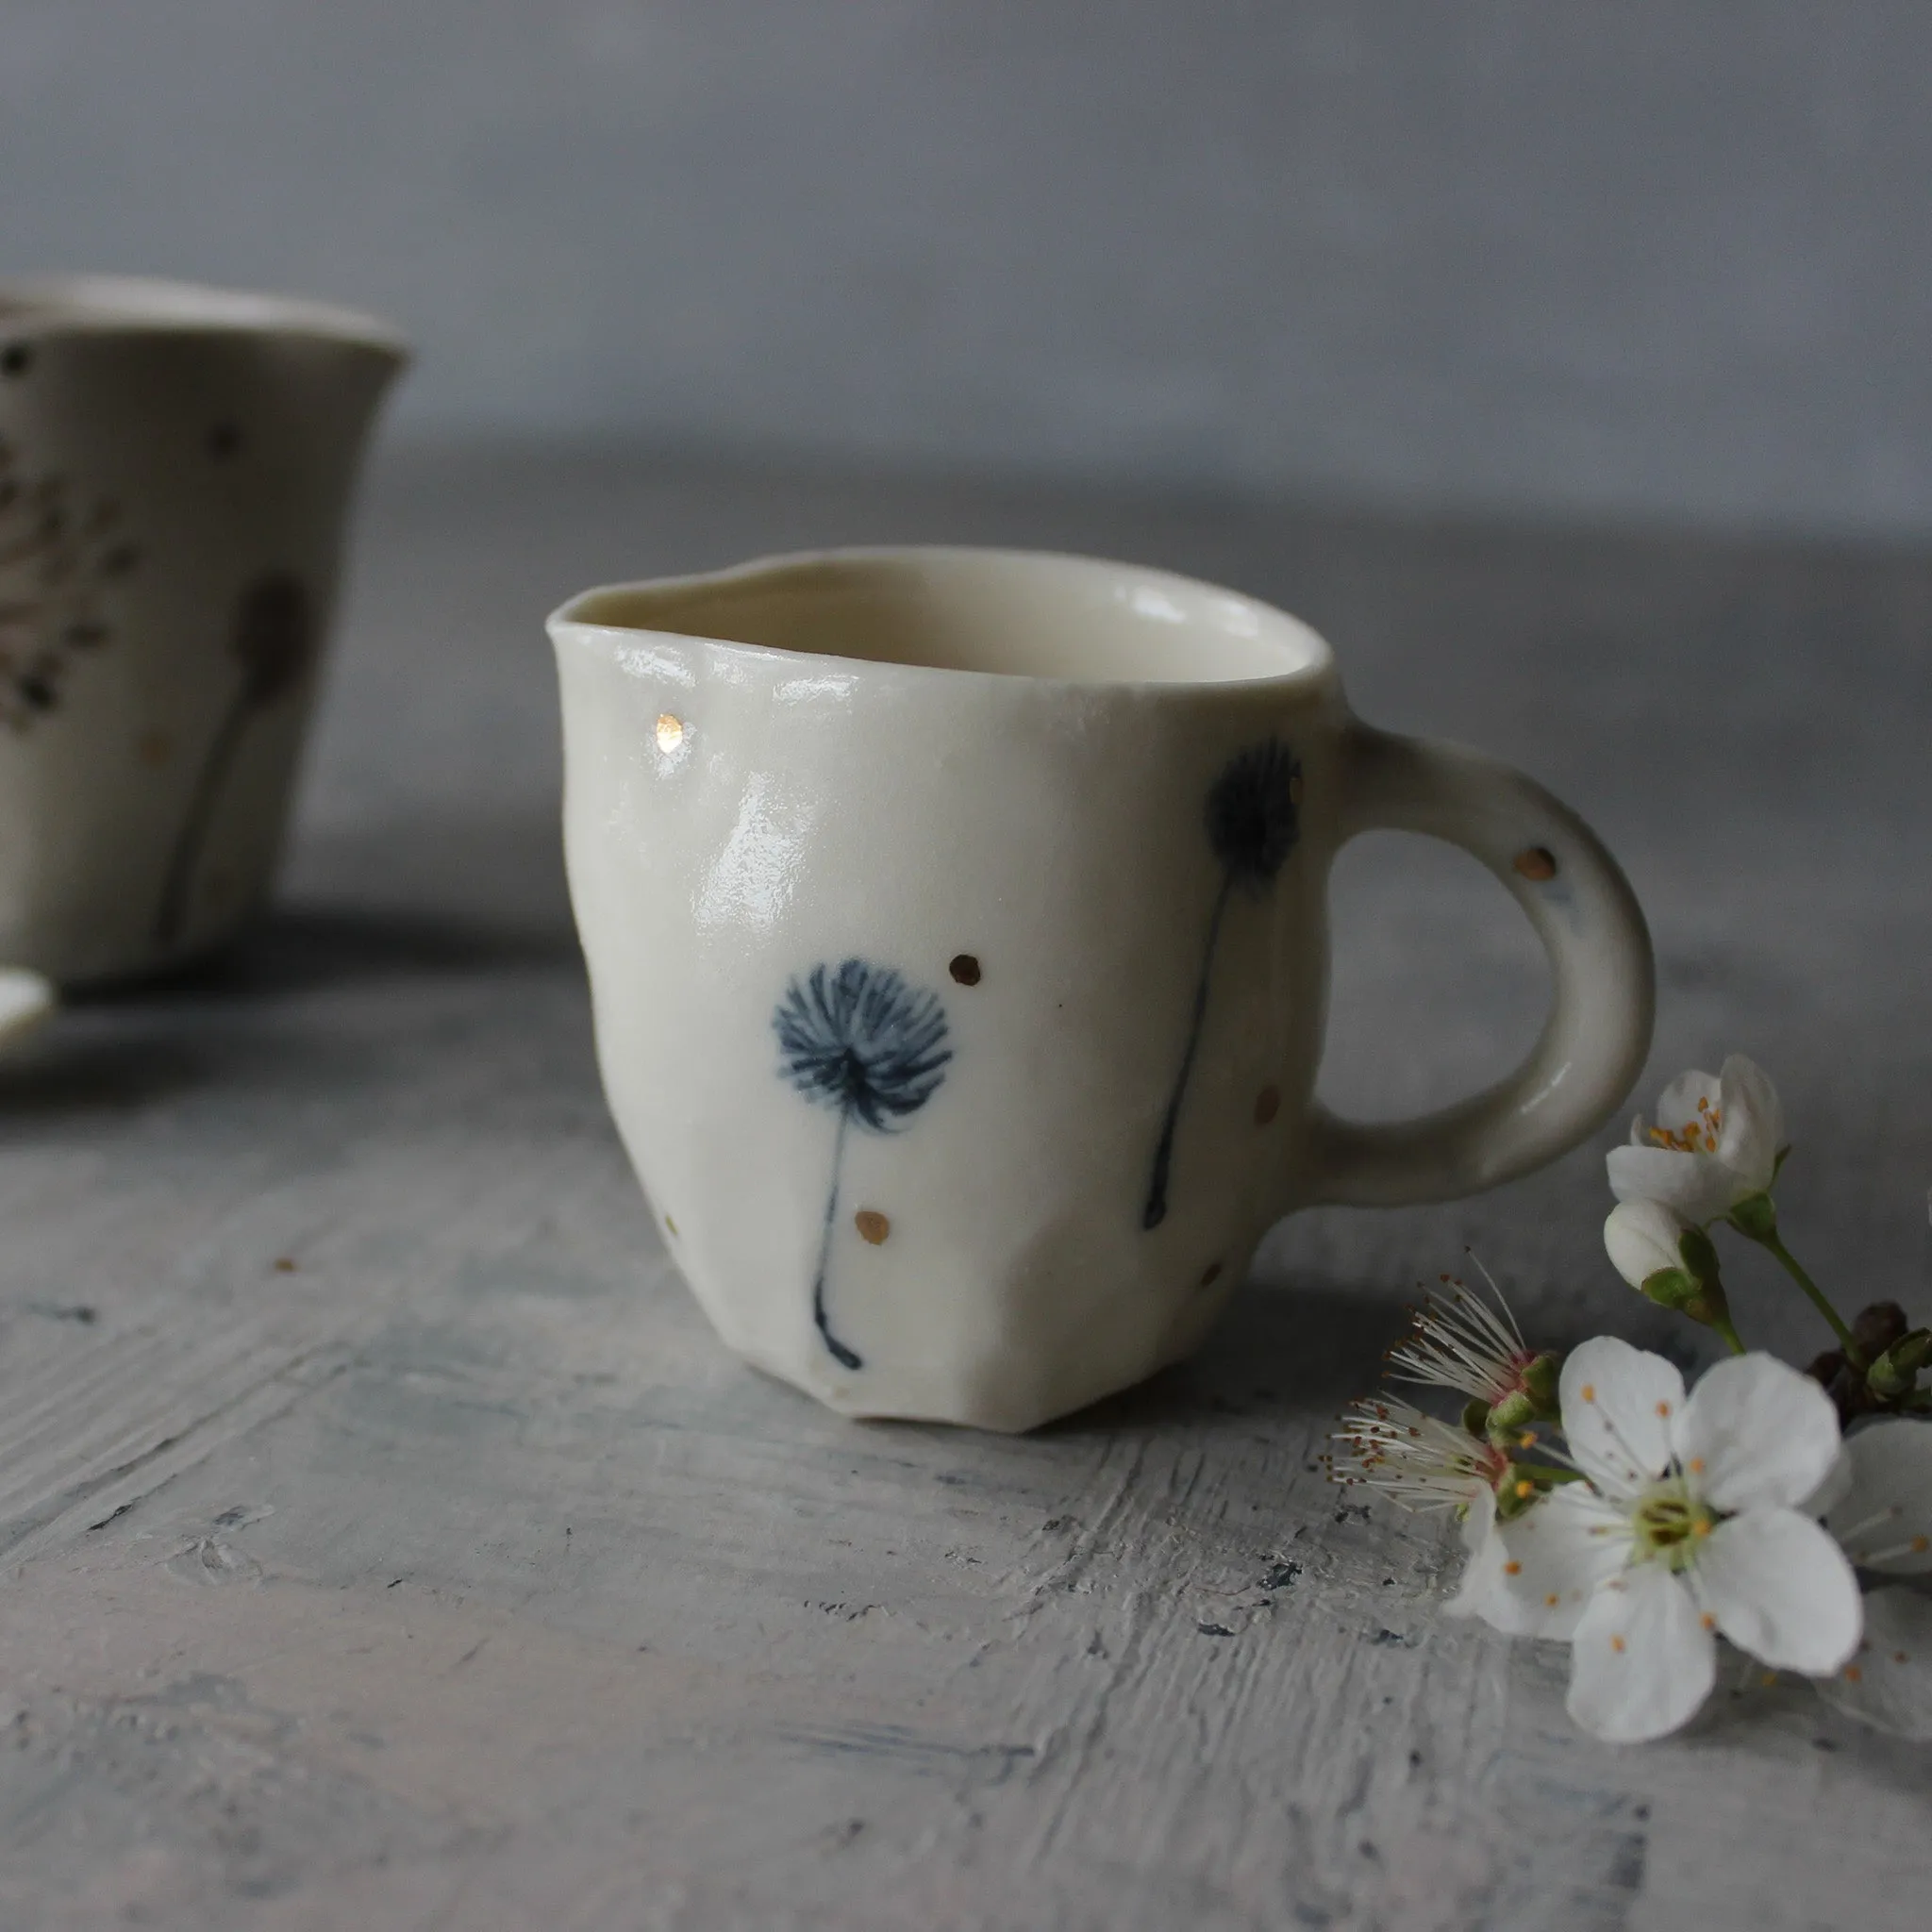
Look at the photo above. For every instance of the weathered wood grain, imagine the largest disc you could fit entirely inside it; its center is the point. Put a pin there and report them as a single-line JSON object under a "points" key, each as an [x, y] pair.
{"points": [[453, 1576]]}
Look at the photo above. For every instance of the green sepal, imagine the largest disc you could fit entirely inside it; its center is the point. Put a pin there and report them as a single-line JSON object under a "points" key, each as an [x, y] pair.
{"points": [[1510, 1417], [1897, 1372], [1669, 1287], [1754, 1217], [1509, 1504], [1540, 1382], [1475, 1417], [1700, 1255], [1702, 1301]]}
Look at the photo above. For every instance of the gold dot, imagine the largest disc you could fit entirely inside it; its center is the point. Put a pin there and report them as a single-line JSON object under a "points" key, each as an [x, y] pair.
{"points": [[1512, 1567], [1617, 1645], [1551, 1601], [964, 968], [1853, 1673], [1536, 863], [1590, 1391], [1211, 1276], [1267, 1104], [872, 1226], [284, 1265], [670, 1224], [670, 732], [1709, 1622], [1664, 1409]]}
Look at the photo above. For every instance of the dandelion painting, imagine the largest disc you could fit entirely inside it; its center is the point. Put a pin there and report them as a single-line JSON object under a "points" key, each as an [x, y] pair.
{"points": [[56, 554], [272, 641], [856, 1039], [1252, 819]]}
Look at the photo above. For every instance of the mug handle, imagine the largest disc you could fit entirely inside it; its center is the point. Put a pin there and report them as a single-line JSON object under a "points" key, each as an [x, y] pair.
{"points": [[1594, 1042]]}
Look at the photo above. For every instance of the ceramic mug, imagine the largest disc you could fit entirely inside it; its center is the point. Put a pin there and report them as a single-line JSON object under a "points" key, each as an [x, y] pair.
{"points": [[957, 932], [176, 469]]}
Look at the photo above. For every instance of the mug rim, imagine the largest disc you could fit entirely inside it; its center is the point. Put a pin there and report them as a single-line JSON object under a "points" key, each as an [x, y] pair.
{"points": [[1316, 664], [71, 304]]}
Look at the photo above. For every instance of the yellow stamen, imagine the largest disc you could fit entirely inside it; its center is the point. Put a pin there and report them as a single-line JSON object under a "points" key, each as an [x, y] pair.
{"points": [[1617, 1645], [1590, 1391], [1513, 1569]]}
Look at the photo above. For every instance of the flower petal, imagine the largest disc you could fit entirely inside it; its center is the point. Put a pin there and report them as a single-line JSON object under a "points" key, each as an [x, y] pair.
{"points": [[1682, 1104], [1620, 1407], [1756, 1432], [26, 1001], [1643, 1661], [1641, 1238], [1753, 1128], [1481, 1593], [1552, 1558], [1698, 1186], [1836, 1487], [1889, 1684], [1885, 1519], [1779, 1587]]}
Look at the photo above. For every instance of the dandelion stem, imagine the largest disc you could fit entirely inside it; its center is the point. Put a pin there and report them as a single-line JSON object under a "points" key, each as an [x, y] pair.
{"points": [[1156, 1210], [193, 834], [848, 1357], [1789, 1263], [1726, 1332]]}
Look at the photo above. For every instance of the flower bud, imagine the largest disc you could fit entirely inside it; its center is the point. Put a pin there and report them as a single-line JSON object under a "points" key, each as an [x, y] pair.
{"points": [[1668, 1261], [1642, 1239], [1895, 1373], [1875, 1328]]}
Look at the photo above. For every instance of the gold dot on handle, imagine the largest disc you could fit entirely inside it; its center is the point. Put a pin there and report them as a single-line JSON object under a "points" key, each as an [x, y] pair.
{"points": [[670, 732], [872, 1226]]}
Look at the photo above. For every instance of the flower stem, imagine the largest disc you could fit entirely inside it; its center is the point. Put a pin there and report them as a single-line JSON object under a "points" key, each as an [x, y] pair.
{"points": [[179, 882], [1154, 1212], [1726, 1333], [848, 1358], [1789, 1263], [1548, 1473]]}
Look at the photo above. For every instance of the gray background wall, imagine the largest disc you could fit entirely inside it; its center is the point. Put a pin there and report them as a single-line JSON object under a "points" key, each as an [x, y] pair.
{"points": [[1670, 258]]}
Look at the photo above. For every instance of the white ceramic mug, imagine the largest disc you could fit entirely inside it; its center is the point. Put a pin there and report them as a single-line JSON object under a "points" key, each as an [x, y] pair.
{"points": [[176, 469], [957, 932]]}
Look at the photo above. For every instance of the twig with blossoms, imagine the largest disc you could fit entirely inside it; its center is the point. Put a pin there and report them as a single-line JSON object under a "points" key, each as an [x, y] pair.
{"points": [[1603, 1505]]}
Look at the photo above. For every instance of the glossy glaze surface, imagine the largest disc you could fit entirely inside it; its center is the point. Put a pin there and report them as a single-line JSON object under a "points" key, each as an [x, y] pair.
{"points": [[1048, 952]]}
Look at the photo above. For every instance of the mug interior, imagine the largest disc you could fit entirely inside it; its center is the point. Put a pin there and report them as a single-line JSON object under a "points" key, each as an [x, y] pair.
{"points": [[1009, 614]]}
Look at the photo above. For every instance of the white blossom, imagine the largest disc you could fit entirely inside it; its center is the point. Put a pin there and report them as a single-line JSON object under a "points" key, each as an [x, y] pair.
{"points": [[1456, 1340], [1414, 1460], [1883, 1515], [1687, 1523], [1715, 1141]]}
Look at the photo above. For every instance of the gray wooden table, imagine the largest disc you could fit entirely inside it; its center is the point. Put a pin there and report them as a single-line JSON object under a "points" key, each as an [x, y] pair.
{"points": [[388, 1543]]}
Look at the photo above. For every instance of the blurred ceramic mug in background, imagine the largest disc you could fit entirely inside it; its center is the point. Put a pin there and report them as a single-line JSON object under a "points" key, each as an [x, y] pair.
{"points": [[176, 465], [957, 924]]}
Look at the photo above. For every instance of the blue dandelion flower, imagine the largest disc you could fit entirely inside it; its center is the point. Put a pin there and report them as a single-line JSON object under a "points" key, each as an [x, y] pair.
{"points": [[857, 1040]]}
